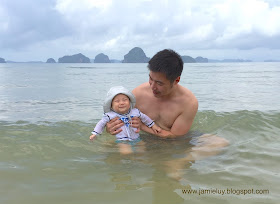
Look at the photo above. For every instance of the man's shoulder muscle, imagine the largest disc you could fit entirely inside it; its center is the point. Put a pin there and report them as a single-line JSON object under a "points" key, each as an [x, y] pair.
{"points": [[190, 104], [139, 89], [187, 98], [141, 92], [189, 108]]}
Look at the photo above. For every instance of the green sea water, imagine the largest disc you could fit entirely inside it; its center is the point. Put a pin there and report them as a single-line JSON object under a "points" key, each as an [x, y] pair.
{"points": [[48, 111]]}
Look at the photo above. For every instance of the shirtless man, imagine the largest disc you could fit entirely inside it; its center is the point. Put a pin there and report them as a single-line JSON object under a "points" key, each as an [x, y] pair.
{"points": [[169, 104], [172, 106], [163, 99]]}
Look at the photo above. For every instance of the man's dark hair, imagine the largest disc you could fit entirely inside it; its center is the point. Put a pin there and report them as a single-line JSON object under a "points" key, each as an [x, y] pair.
{"points": [[167, 62]]}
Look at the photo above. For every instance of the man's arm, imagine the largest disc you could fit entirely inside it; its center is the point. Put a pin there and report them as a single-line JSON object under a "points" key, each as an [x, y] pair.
{"points": [[181, 125], [163, 133]]}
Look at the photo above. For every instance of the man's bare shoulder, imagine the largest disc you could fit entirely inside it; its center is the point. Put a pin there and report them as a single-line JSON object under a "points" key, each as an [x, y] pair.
{"points": [[141, 94], [189, 100], [141, 89]]}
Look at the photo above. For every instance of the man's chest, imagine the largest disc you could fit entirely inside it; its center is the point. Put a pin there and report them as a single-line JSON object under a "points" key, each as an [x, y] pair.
{"points": [[164, 114]]}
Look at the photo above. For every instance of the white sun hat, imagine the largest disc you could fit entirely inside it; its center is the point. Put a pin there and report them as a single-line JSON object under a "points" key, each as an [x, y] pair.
{"points": [[115, 91]]}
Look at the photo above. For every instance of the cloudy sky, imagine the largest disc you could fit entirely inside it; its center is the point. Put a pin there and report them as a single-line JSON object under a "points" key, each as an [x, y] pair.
{"points": [[217, 29]]}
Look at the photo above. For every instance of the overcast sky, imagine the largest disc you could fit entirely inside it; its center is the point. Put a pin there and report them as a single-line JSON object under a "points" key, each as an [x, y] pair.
{"points": [[216, 29]]}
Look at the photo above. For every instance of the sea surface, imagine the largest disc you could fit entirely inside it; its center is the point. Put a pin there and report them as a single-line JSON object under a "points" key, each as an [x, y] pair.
{"points": [[47, 112]]}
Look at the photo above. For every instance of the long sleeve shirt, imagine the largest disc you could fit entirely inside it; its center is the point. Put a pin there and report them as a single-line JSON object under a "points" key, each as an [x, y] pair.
{"points": [[128, 132]]}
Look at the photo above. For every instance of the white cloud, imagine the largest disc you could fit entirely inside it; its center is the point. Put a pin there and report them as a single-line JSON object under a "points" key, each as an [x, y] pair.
{"points": [[4, 20], [242, 17]]}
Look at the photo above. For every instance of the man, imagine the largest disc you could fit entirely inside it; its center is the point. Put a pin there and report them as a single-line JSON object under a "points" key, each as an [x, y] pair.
{"points": [[172, 106]]}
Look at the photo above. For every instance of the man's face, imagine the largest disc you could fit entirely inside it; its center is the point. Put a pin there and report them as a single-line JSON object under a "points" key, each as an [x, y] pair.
{"points": [[159, 84]]}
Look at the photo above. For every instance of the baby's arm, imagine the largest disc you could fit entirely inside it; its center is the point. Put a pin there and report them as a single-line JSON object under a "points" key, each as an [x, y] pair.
{"points": [[99, 127], [149, 122]]}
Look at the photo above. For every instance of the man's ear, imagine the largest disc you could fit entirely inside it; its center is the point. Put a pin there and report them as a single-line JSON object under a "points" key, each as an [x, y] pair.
{"points": [[177, 80]]}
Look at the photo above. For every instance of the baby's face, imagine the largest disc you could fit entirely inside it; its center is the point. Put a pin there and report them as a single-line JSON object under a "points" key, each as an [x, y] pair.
{"points": [[121, 103]]}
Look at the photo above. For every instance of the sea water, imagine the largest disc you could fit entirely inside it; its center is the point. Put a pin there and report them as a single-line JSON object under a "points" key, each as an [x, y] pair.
{"points": [[47, 112]]}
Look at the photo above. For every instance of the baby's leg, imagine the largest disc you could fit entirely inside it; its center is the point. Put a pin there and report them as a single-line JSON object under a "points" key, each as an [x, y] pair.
{"points": [[125, 149], [141, 147]]}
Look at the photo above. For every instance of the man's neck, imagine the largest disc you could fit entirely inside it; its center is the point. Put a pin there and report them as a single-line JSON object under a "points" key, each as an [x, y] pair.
{"points": [[170, 95]]}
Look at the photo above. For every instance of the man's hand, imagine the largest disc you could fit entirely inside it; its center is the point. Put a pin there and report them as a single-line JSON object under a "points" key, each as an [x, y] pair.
{"points": [[136, 123], [162, 133], [156, 129], [114, 126], [166, 134]]}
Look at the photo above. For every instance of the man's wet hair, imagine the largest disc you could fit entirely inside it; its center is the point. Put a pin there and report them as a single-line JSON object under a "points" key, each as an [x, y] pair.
{"points": [[167, 62]]}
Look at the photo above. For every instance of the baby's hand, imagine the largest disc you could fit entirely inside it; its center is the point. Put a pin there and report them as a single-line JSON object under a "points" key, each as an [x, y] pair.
{"points": [[156, 129], [92, 137]]}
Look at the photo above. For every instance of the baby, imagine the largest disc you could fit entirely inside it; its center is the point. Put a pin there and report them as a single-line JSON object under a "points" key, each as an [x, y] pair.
{"points": [[120, 103]]}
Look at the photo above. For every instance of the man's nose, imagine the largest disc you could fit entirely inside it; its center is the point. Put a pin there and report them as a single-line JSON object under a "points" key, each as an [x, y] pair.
{"points": [[153, 85]]}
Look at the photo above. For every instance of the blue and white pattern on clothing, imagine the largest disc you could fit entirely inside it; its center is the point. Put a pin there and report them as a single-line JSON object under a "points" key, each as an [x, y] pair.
{"points": [[128, 132]]}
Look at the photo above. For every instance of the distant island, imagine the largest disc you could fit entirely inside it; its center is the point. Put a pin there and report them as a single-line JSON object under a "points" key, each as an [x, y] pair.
{"points": [[188, 59], [201, 60], [77, 58], [135, 55], [50, 60], [2, 60], [101, 58]]}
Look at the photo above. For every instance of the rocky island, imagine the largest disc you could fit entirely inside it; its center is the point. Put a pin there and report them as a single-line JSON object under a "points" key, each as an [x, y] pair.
{"points": [[101, 58], [188, 59], [201, 60], [77, 58], [136, 55], [50, 60], [2, 60]]}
